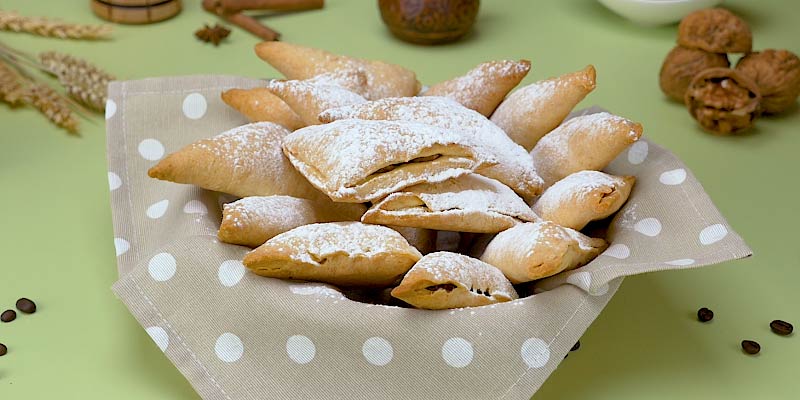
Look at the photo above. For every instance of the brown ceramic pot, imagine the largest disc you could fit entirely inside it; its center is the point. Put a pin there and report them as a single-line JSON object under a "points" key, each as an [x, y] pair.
{"points": [[429, 21]]}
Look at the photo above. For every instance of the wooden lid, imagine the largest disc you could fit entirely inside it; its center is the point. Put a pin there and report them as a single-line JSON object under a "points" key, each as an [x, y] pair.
{"points": [[136, 11]]}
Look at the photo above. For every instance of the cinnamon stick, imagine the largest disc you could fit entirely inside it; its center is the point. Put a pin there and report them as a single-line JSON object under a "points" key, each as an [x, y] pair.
{"points": [[243, 21], [233, 6]]}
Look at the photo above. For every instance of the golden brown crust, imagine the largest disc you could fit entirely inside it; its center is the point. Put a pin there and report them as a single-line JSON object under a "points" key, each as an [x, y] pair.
{"points": [[308, 99], [716, 30], [260, 105], [723, 101], [682, 65], [483, 87], [777, 75]]}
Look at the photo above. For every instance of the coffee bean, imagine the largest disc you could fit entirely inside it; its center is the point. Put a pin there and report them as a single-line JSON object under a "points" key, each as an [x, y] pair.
{"points": [[3, 349], [576, 346], [26, 305], [782, 328], [705, 315], [750, 347], [8, 316]]}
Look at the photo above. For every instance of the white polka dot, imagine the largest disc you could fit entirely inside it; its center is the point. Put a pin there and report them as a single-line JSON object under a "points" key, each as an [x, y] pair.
{"points": [[712, 234], [159, 335], [457, 352], [195, 207], [194, 106], [648, 226], [121, 245], [111, 108], [638, 152], [114, 181], [378, 351], [300, 349], [151, 149], [229, 347], [681, 262], [582, 280], [157, 209], [617, 250], [162, 266], [230, 272], [535, 352], [673, 177]]}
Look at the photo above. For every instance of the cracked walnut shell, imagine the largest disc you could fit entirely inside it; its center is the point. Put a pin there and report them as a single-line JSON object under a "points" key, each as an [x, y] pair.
{"points": [[723, 101], [716, 30], [682, 65], [777, 75]]}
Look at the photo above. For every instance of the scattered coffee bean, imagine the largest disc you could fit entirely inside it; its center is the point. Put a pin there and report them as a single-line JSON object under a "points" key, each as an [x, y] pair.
{"points": [[576, 346], [750, 347], [26, 305], [3, 349], [705, 315], [8, 316], [782, 328]]}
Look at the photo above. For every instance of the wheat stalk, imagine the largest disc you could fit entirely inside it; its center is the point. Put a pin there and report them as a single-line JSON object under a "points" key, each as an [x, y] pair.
{"points": [[83, 81], [12, 89], [12, 21], [52, 105]]}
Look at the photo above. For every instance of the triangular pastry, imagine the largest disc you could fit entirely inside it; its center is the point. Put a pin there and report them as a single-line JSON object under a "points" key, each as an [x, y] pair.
{"points": [[587, 142], [308, 99], [298, 62], [530, 112], [251, 221], [260, 105], [244, 161], [445, 280], [358, 161], [470, 203], [537, 250], [483, 87], [514, 166], [339, 253], [583, 197]]}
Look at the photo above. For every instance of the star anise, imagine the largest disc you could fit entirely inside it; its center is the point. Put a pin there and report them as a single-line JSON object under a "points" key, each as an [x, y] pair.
{"points": [[213, 34]]}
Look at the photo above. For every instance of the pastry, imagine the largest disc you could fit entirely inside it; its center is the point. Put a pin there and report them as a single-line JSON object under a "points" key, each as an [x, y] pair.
{"points": [[583, 197], [339, 253], [588, 142], [358, 161], [483, 87], [514, 166], [244, 161], [422, 239], [308, 99], [445, 280], [260, 105], [298, 62], [470, 203], [537, 250], [251, 221], [532, 111]]}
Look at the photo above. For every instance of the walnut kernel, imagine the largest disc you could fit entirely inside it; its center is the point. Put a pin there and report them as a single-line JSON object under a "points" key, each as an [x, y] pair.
{"points": [[682, 65], [716, 30], [723, 101], [777, 75]]}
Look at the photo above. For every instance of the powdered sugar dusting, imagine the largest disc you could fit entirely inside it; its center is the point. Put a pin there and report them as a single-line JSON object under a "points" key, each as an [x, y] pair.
{"points": [[444, 267], [575, 188]]}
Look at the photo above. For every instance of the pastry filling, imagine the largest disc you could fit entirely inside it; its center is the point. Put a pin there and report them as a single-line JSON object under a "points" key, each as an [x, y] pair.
{"points": [[448, 287], [415, 160]]}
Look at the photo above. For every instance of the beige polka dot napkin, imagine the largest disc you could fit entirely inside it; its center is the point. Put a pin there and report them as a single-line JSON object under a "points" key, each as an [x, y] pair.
{"points": [[235, 335]]}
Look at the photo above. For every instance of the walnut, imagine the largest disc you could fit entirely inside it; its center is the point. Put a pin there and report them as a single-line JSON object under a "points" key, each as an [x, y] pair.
{"points": [[723, 101], [682, 65], [716, 30], [777, 74]]}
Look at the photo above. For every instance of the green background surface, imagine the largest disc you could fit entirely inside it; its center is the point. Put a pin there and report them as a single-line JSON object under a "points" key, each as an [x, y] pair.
{"points": [[56, 241]]}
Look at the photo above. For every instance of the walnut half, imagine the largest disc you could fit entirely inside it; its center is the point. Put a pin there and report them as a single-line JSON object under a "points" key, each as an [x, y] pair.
{"points": [[723, 101], [777, 74]]}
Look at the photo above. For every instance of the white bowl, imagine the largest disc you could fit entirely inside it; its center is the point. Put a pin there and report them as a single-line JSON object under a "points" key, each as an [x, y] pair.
{"points": [[657, 12]]}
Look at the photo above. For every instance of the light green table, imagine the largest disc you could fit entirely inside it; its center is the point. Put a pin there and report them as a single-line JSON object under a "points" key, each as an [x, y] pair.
{"points": [[56, 239]]}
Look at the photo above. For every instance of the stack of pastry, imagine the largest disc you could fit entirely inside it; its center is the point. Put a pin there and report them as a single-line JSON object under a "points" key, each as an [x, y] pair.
{"points": [[348, 174]]}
